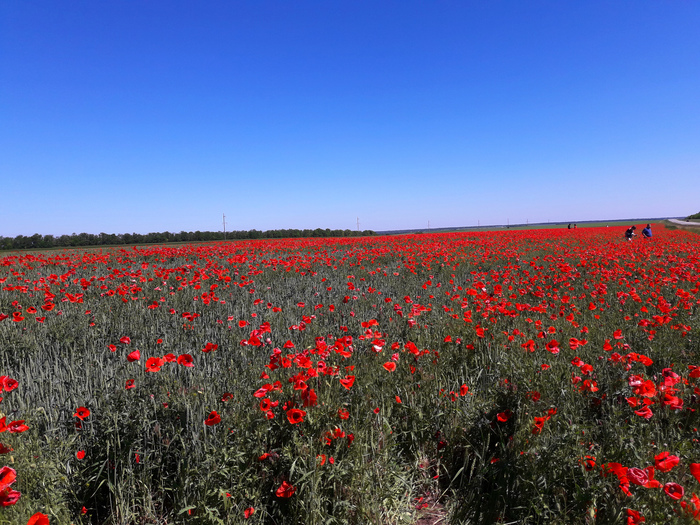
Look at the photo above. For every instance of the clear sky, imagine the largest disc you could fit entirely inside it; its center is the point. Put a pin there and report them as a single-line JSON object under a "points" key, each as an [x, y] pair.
{"points": [[140, 116]]}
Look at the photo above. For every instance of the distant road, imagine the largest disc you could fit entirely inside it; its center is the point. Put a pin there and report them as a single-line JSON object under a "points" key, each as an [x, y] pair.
{"points": [[683, 223]]}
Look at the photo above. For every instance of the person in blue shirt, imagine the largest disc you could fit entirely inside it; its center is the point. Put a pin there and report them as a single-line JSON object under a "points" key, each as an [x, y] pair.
{"points": [[646, 232]]}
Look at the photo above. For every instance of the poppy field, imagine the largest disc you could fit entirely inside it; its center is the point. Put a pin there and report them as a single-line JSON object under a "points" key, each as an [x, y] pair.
{"points": [[537, 376]]}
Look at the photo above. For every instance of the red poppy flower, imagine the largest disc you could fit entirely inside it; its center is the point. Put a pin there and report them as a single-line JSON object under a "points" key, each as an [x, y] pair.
{"points": [[185, 360], [646, 389], [153, 364], [504, 416], [695, 470], [672, 402], [553, 346], [210, 347], [538, 424], [262, 391], [134, 356], [213, 419], [588, 463], [693, 507], [645, 412], [665, 461], [637, 476], [674, 491], [125, 340], [348, 381], [80, 454], [390, 366], [534, 395], [575, 343], [247, 513], [129, 384], [82, 413], [634, 518], [112, 348], [8, 384], [651, 482], [9, 497], [529, 345], [294, 415], [343, 413], [48, 307], [285, 490], [8, 475], [227, 396], [463, 390], [38, 519], [169, 358]]}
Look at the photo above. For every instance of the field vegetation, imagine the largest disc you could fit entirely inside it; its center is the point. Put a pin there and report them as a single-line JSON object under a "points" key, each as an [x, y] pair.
{"points": [[543, 376], [37, 241]]}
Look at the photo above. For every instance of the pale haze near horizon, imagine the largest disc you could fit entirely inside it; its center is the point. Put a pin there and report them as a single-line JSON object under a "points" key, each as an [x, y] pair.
{"points": [[142, 117]]}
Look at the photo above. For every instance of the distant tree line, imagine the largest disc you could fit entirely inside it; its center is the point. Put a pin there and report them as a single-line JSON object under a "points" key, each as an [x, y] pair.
{"points": [[695, 216], [37, 241]]}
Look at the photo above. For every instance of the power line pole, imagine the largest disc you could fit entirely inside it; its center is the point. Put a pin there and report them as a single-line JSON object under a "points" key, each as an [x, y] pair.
{"points": [[358, 224], [224, 226]]}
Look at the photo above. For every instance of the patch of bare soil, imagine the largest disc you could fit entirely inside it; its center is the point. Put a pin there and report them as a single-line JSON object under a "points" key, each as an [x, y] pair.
{"points": [[432, 513]]}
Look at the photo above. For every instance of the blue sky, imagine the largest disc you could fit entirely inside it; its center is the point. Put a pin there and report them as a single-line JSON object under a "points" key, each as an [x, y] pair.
{"points": [[131, 116]]}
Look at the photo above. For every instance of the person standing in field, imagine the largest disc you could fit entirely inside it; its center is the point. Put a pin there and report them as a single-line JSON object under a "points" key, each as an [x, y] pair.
{"points": [[646, 232], [630, 233]]}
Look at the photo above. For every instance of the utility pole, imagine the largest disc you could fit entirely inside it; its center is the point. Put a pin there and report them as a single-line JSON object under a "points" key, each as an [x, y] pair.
{"points": [[428, 223], [358, 224], [224, 226]]}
